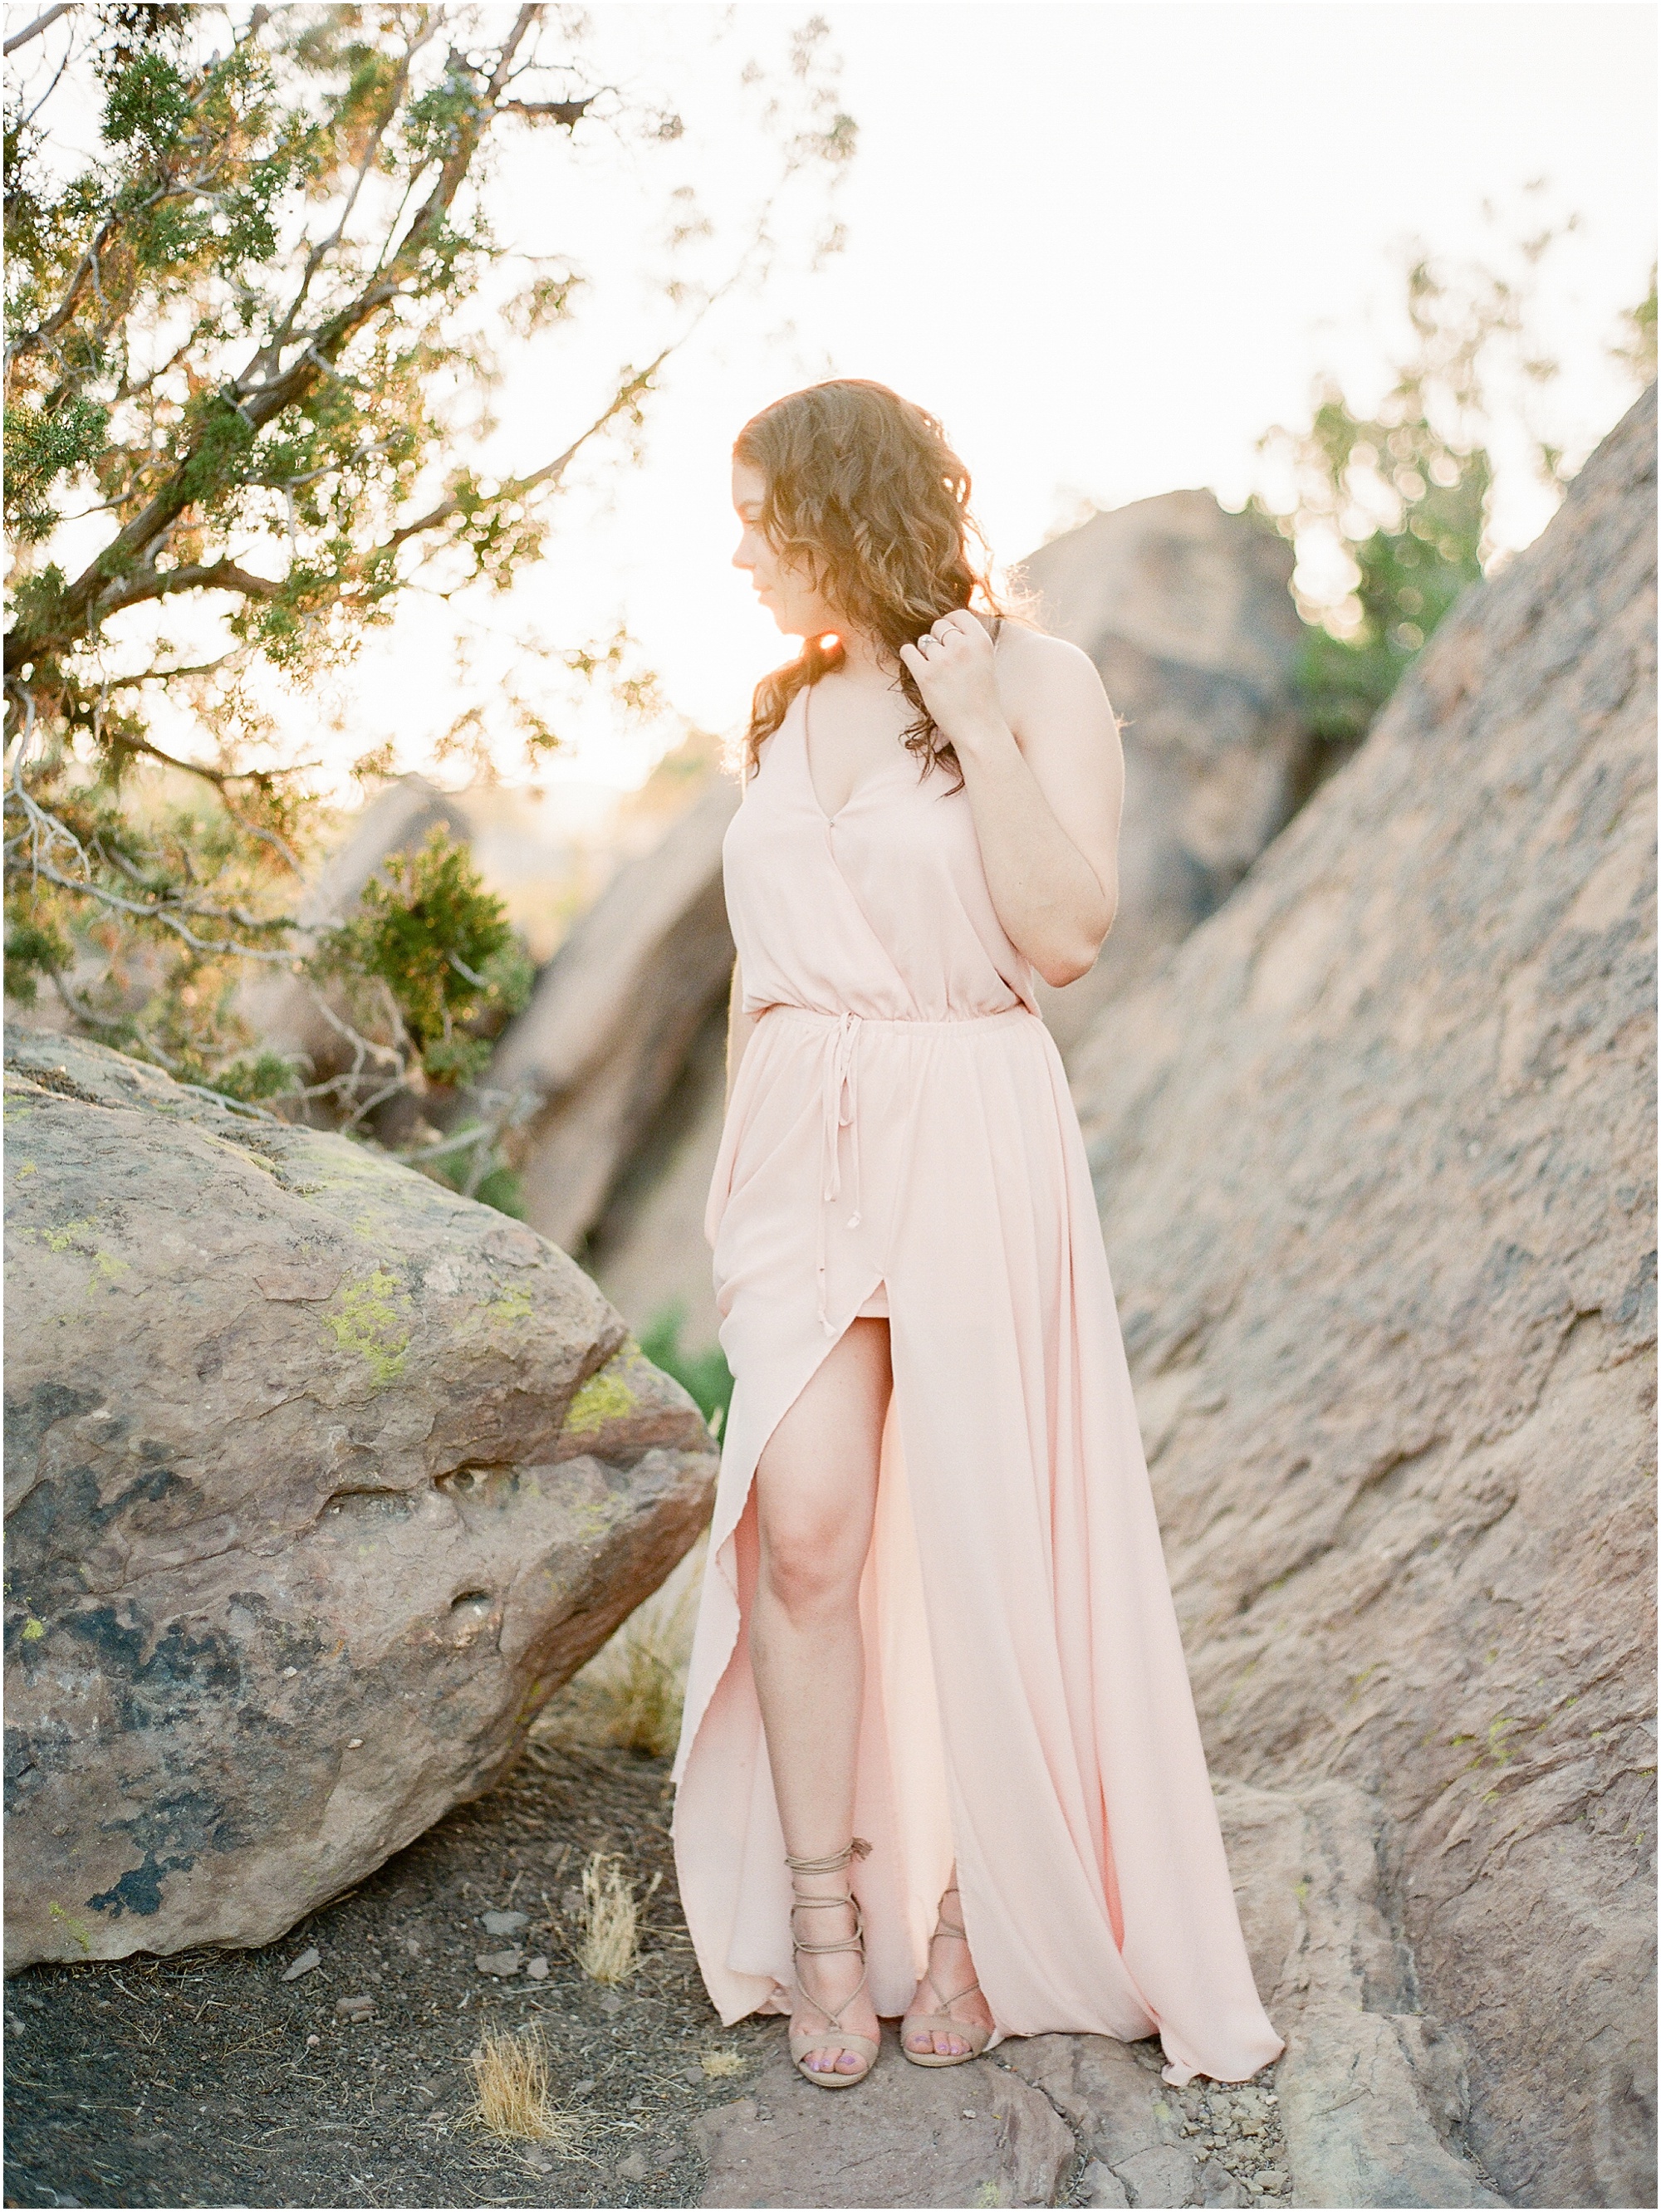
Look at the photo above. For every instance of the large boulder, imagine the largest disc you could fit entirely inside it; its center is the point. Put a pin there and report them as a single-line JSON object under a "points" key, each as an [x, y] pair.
{"points": [[1375, 1160], [1187, 612], [320, 1481], [603, 1047]]}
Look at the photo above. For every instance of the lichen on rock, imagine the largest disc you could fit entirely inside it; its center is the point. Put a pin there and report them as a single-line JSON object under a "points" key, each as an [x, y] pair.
{"points": [[300, 1531]]}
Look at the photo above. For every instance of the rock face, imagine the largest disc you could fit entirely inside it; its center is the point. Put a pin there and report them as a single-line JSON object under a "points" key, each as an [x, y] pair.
{"points": [[1373, 2092], [1368, 2105], [320, 1481], [1375, 1162], [1186, 612], [947, 2135], [605, 1038]]}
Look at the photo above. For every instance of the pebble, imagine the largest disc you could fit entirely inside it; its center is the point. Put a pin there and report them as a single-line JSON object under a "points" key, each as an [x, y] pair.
{"points": [[612, 2002], [694, 2076], [633, 2167], [505, 1923], [537, 1970], [502, 1963], [355, 2008], [581, 2088], [303, 1964], [1276, 2177], [313, 2041]]}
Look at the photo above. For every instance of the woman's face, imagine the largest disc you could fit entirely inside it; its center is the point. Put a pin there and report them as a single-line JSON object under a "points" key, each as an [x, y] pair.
{"points": [[785, 592]]}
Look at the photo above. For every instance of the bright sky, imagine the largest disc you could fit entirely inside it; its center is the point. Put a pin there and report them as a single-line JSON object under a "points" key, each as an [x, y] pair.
{"points": [[1108, 244]]}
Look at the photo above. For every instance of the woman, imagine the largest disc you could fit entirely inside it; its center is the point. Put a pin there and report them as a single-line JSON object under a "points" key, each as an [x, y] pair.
{"points": [[937, 1683]]}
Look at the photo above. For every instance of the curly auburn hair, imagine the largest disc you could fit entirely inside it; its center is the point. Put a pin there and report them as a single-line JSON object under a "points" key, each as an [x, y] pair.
{"points": [[866, 498]]}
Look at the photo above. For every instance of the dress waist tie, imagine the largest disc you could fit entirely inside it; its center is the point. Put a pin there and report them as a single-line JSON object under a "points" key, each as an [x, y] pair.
{"points": [[841, 1111]]}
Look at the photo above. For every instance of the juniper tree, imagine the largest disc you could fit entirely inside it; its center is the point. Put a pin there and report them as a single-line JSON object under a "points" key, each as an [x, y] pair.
{"points": [[239, 337]]}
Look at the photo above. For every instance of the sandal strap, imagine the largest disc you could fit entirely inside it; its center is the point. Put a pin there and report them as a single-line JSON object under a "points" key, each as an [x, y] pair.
{"points": [[854, 1941], [946, 2004], [834, 1863], [944, 1927], [818, 1950]]}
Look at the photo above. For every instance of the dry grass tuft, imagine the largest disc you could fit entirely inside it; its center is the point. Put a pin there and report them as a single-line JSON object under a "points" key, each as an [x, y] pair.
{"points": [[629, 1695], [722, 2065], [643, 1684], [645, 1696], [511, 2072], [610, 1948]]}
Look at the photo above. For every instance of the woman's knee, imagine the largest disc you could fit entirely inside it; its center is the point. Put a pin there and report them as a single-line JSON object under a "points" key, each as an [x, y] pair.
{"points": [[807, 1573]]}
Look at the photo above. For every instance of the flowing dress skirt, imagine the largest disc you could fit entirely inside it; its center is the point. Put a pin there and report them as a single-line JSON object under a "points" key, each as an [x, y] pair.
{"points": [[1027, 1709]]}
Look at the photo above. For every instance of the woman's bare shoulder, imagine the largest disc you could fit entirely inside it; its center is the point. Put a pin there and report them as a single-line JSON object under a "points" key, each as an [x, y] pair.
{"points": [[1034, 667]]}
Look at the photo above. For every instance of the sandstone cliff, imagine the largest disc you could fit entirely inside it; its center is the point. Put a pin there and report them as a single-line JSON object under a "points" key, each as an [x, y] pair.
{"points": [[1375, 1162], [1187, 612]]}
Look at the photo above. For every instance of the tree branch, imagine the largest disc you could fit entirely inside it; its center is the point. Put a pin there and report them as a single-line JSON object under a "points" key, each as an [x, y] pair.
{"points": [[551, 472], [570, 113], [34, 30], [198, 576], [85, 601], [167, 918]]}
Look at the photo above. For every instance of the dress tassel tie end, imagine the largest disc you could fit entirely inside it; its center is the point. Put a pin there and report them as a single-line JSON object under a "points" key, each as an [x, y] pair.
{"points": [[841, 1112]]}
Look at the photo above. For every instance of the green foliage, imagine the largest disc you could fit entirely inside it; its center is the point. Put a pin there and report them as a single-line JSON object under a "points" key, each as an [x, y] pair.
{"points": [[33, 950], [1406, 577], [256, 1076], [246, 350], [1393, 502], [440, 947], [1634, 348], [704, 1375]]}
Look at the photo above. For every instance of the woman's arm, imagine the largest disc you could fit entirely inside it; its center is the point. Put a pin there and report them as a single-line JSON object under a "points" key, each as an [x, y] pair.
{"points": [[1038, 744], [741, 1027]]}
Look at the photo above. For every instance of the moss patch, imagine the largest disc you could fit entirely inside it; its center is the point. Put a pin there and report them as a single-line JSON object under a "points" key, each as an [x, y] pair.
{"points": [[367, 1323], [604, 1397]]}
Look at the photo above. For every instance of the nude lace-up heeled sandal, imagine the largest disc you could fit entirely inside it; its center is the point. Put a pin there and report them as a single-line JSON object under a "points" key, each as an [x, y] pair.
{"points": [[835, 2036], [941, 2022]]}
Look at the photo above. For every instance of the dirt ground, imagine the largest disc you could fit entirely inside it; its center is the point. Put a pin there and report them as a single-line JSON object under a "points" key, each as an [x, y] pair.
{"points": [[208, 2080]]}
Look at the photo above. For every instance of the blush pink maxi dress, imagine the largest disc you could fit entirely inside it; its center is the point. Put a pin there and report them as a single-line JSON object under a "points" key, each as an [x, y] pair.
{"points": [[901, 1141]]}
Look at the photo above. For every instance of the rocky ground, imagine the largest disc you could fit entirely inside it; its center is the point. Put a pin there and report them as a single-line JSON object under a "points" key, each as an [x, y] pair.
{"points": [[210, 2079]]}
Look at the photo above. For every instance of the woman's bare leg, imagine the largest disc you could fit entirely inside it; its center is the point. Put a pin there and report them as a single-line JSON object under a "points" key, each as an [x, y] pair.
{"points": [[816, 1494]]}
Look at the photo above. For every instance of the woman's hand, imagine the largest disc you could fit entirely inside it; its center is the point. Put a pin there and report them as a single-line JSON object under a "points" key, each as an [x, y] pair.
{"points": [[1038, 746], [953, 667]]}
